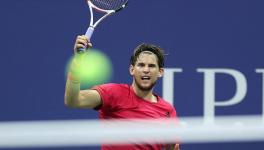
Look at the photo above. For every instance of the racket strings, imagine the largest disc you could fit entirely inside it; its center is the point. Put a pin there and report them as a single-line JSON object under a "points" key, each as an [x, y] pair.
{"points": [[109, 4]]}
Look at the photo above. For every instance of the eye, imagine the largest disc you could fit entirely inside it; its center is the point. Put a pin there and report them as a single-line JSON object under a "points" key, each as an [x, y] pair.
{"points": [[152, 65], [141, 64]]}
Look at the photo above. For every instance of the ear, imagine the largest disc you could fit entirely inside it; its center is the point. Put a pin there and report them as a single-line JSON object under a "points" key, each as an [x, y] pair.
{"points": [[131, 70], [161, 72]]}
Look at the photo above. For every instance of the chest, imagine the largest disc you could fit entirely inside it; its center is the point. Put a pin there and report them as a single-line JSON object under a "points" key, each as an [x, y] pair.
{"points": [[137, 108]]}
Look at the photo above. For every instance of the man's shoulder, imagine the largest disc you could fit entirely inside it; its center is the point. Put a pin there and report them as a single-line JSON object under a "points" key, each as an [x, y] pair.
{"points": [[165, 102], [114, 87]]}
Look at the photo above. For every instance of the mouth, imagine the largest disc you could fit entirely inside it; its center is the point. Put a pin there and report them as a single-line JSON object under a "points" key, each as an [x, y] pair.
{"points": [[145, 78]]}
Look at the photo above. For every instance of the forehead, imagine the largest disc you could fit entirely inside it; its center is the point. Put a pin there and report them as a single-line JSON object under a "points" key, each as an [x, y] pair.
{"points": [[147, 57]]}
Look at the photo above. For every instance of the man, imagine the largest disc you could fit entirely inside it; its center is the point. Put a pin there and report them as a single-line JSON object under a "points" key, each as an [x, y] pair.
{"points": [[122, 101]]}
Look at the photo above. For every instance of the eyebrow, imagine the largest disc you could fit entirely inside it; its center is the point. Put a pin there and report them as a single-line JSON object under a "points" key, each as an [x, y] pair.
{"points": [[141, 63]]}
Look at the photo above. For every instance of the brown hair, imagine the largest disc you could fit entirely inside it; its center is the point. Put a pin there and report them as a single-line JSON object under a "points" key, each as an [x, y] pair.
{"points": [[151, 48]]}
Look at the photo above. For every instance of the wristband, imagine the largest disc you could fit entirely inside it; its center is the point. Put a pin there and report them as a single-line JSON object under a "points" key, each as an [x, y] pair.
{"points": [[74, 80]]}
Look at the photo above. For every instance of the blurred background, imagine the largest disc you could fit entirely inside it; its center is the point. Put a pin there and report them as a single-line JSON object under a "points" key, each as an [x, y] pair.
{"points": [[37, 39]]}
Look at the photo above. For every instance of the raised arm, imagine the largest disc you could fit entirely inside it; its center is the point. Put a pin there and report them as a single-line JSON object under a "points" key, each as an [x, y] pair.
{"points": [[74, 97]]}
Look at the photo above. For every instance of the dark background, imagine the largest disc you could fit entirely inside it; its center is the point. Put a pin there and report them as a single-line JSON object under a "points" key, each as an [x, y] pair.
{"points": [[37, 38]]}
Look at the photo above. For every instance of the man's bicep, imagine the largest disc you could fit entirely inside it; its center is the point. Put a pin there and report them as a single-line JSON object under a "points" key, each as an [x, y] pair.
{"points": [[89, 99]]}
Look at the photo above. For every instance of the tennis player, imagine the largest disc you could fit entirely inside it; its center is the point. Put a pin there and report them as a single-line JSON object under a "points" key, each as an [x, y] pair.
{"points": [[123, 101]]}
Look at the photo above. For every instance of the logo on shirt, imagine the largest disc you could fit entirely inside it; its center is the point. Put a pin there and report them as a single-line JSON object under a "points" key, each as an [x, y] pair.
{"points": [[167, 114]]}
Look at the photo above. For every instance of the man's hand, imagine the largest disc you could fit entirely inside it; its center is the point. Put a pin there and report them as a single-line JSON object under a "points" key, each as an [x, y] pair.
{"points": [[82, 42]]}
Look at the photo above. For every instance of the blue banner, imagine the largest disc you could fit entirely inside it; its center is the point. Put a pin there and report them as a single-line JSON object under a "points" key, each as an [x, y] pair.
{"points": [[213, 67]]}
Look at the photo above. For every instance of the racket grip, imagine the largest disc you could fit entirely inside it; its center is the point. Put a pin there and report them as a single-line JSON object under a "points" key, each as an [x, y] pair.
{"points": [[88, 34]]}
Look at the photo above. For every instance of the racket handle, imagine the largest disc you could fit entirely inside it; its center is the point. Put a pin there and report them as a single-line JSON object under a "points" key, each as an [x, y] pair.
{"points": [[88, 34]]}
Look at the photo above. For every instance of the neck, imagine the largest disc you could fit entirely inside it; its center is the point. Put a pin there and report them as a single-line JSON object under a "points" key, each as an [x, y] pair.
{"points": [[146, 95]]}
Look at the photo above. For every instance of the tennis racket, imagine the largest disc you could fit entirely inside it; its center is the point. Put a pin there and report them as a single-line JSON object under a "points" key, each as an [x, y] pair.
{"points": [[107, 8]]}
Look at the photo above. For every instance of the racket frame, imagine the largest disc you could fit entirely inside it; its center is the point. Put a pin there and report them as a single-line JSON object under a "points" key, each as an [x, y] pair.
{"points": [[93, 25]]}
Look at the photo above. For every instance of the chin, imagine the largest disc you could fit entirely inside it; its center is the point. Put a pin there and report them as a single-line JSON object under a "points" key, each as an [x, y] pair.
{"points": [[146, 87]]}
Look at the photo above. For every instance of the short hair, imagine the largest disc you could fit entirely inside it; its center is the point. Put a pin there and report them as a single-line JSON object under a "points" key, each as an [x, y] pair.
{"points": [[150, 48]]}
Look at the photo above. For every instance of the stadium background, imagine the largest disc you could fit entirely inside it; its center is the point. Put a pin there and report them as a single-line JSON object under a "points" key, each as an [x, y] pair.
{"points": [[37, 38]]}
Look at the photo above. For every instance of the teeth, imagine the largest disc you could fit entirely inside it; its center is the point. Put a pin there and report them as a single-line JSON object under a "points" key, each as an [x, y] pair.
{"points": [[145, 78]]}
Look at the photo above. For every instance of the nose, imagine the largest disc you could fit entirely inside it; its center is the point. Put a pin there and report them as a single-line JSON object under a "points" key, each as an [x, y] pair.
{"points": [[146, 69]]}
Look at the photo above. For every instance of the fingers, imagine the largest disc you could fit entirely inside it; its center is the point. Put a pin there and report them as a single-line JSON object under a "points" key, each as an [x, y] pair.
{"points": [[82, 42]]}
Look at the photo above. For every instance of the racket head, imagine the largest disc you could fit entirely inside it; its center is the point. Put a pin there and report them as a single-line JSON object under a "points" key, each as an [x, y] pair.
{"points": [[108, 5]]}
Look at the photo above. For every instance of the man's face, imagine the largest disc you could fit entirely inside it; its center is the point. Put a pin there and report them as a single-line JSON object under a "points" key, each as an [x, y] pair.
{"points": [[146, 71]]}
